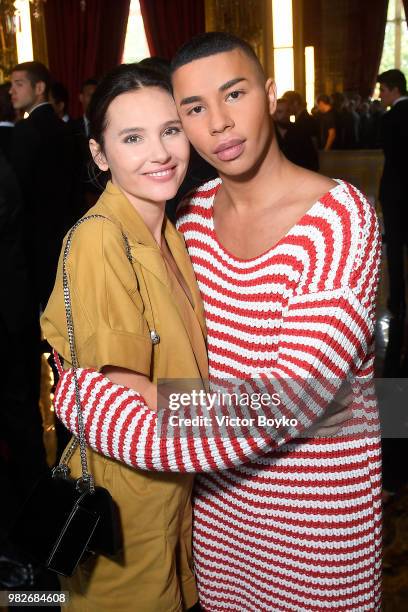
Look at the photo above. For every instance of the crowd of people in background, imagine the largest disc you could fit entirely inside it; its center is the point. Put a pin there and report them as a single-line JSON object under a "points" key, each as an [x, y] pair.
{"points": [[339, 121]]}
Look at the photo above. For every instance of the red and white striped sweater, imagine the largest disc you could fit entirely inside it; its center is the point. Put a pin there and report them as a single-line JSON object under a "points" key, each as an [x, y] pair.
{"points": [[298, 528]]}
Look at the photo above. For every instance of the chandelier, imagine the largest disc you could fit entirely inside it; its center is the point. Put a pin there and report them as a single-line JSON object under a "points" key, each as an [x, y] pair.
{"points": [[11, 11], [37, 7]]}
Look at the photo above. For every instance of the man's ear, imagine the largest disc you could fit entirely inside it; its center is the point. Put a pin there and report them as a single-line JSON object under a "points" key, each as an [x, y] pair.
{"points": [[270, 90], [98, 156], [39, 88]]}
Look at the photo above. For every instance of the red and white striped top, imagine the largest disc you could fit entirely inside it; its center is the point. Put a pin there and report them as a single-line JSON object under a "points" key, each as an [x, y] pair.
{"points": [[298, 528]]}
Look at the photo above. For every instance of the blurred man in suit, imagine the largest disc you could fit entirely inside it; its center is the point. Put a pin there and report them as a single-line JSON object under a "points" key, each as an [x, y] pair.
{"points": [[393, 187], [81, 125], [89, 191], [305, 132], [59, 99], [43, 158], [327, 122], [7, 119]]}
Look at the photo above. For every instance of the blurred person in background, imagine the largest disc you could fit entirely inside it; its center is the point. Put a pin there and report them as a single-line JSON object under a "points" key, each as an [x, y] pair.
{"points": [[346, 123], [393, 187], [305, 131], [42, 156], [89, 190], [326, 121], [7, 120], [59, 100]]}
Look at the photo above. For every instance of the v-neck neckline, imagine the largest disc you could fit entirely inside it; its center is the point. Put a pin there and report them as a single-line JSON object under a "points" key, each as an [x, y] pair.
{"points": [[269, 250]]}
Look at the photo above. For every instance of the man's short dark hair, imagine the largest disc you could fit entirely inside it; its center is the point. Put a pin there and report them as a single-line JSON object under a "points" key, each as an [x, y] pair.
{"points": [[92, 81], [324, 98], [393, 78], [36, 72], [59, 93], [294, 97], [212, 43]]}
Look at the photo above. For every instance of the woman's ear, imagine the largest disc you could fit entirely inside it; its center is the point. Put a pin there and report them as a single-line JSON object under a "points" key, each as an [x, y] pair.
{"points": [[270, 90], [98, 156]]}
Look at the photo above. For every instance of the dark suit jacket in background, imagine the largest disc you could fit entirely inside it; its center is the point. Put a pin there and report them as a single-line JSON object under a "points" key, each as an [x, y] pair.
{"points": [[394, 199], [43, 159], [394, 141], [300, 142], [20, 423], [89, 190], [6, 135]]}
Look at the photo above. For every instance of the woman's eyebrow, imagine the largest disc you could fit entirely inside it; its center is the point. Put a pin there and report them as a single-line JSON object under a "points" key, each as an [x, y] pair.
{"points": [[140, 129], [171, 122], [131, 129]]}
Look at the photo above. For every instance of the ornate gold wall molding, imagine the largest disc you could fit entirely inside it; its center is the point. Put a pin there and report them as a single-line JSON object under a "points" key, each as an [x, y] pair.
{"points": [[8, 48], [362, 168], [252, 21], [244, 18], [40, 51]]}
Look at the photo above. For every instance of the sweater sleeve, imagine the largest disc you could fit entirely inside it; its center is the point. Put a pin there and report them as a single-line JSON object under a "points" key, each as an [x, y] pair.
{"points": [[325, 338]]}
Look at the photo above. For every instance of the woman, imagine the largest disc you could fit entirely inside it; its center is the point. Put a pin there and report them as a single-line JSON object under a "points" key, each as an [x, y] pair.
{"points": [[135, 322]]}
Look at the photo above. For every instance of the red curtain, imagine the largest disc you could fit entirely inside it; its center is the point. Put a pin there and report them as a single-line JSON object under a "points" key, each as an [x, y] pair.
{"points": [[364, 44], [84, 43], [169, 24]]}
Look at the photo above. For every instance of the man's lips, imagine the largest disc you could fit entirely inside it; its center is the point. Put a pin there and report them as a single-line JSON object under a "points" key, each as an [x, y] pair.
{"points": [[230, 149]]}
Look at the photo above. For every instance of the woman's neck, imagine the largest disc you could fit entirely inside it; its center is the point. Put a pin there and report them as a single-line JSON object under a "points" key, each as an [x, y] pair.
{"points": [[152, 213]]}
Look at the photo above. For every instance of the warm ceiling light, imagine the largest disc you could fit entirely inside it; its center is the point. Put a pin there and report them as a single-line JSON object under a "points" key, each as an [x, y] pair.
{"points": [[310, 77]]}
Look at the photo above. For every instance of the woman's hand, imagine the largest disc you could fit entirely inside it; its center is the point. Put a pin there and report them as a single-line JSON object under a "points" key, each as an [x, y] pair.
{"points": [[337, 415], [133, 380]]}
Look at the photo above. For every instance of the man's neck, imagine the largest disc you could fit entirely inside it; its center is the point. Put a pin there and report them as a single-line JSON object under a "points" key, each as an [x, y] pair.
{"points": [[37, 103], [399, 98], [253, 189]]}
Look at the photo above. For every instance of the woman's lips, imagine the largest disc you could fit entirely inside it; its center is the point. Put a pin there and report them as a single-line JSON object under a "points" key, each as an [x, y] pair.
{"points": [[161, 176], [230, 150]]}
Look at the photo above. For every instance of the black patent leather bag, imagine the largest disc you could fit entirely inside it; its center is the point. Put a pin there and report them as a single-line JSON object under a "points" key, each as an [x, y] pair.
{"points": [[63, 522]]}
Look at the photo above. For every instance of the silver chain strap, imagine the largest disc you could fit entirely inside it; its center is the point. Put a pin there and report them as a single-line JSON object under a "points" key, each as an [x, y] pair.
{"points": [[86, 481]]}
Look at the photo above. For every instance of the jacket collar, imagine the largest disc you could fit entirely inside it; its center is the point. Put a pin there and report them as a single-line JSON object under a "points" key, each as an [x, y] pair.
{"points": [[145, 249]]}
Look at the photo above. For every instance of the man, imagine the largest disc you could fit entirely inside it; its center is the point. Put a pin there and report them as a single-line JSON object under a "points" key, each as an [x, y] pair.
{"points": [[393, 187], [89, 191], [266, 535], [59, 99], [42, 156], [305, 132], [327, 122], [285, 130], [81, 125], [281, 118], [346, 123]]}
